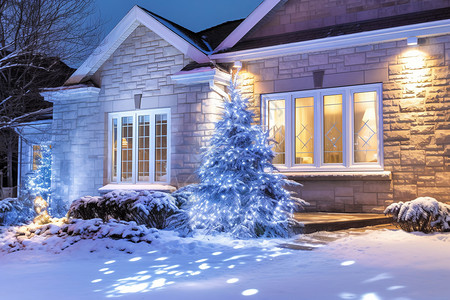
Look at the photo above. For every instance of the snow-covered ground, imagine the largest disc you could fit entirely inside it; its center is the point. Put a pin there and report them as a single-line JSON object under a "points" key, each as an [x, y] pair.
{"points": [[370, 265]]}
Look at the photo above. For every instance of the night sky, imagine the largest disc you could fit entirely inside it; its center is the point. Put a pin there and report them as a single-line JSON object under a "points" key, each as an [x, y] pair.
{"points": [[195, 15]]}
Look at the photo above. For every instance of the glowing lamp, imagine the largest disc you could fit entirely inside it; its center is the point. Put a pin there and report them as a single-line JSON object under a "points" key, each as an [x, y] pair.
{"points": [[237, 65]]}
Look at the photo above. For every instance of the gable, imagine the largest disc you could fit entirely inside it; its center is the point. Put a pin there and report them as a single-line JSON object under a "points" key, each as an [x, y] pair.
{"points": [[135, 17]]}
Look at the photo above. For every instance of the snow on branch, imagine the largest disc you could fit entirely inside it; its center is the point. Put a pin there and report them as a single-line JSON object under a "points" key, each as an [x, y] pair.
{"points": [[424, 214]]}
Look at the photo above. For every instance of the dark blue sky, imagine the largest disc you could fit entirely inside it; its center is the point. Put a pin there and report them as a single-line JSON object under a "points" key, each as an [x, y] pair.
{"points": [[192, 14]]}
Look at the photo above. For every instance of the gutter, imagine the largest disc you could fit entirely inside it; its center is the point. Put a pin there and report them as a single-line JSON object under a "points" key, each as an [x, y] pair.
{"points": [[343, 41]]}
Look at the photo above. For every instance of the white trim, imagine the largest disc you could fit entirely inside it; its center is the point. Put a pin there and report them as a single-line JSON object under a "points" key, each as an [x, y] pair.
{"points": [[135, 17], [201, 75], [348, 164], [135, 115], [72, 93], [238, 33], [337, 42], [136, 187]]}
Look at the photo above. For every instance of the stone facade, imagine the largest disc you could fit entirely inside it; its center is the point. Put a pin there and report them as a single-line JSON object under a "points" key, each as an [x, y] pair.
{"points": [[141, 65], [415, 105], [415, 116]]}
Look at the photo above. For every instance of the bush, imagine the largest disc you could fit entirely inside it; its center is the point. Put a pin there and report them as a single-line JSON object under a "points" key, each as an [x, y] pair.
{"points": [[424, 214], [14, 212], [150, 208]]}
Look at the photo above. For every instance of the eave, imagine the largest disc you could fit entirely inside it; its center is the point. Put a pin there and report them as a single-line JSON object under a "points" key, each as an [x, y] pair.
{"points": [[338, 42]]}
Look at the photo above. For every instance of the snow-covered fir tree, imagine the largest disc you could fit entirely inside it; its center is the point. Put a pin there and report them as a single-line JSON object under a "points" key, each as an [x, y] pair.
{"points": [[239, 191]]}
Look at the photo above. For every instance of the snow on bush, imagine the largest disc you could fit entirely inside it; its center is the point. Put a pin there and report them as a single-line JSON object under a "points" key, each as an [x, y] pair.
{"points": [[150, 208], [62, 233], [14, 211], [424, 214]]}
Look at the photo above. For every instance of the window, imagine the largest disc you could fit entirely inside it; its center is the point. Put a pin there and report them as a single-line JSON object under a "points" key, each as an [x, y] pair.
{"points": [[328, 129], [37, 156], [140, 146]]}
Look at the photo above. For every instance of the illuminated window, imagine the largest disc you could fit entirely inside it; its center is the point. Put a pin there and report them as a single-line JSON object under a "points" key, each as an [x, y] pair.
{"points": [[142, 155], [37, 156], [328, 129]]}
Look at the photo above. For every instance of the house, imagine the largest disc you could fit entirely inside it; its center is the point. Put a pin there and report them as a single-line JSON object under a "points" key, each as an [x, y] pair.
{"points": [[355, 92]]}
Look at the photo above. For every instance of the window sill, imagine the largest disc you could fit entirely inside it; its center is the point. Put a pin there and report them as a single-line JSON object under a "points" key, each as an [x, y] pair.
{"points": [[335, 176], [136, 187]]}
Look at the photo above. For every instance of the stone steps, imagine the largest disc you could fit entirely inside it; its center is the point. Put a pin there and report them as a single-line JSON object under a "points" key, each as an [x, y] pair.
{"points": [[324, 221]]}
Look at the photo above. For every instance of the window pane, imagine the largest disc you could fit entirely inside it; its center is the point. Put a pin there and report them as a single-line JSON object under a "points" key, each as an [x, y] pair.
{"points": [[114, 150], [304, 130], [365, 127], [161, 147], [276, 124], [143, 148], [127, 149], [37, 156], [332, 125]]}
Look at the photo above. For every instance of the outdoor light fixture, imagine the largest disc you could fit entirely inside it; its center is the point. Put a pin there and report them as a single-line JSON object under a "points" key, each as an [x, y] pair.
{"points": [[412, 41]]}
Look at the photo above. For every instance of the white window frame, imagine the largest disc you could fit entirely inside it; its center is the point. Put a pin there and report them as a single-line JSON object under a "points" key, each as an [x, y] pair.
{"points": [[135, 115], [348, 163]]}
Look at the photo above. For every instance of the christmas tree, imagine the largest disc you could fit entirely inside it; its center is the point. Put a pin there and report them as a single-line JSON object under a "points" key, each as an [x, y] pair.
{"points": [[38, 183], [240, 191]]}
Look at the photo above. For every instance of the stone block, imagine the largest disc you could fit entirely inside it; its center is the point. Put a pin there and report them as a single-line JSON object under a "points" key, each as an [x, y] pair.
{"points": [[434, 161], [355, 59], [396, 135], [404, 192], [318, 59], [293, 84], [442, 137], [318, 195], [376, 75], [344, 200], [377, 186], [343, 79], [343, 192], [366, 198]]}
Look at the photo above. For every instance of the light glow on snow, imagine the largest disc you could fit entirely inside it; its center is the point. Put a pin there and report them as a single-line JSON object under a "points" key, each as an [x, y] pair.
{"points": [[348, 263], [250, 292], [161, 258], [217, 253], [370, 296], [395, 287], [110, 262], [134, 288], [96, 280], [232, 280], [135, 259]]}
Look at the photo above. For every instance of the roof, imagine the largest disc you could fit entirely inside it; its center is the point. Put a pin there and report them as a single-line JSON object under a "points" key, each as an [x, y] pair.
{"points": [[230, 41], [343, 29]]}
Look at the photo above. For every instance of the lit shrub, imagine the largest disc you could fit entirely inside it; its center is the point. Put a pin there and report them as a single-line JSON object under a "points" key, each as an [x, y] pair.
{"points": [[150, 208], [424, 214]]}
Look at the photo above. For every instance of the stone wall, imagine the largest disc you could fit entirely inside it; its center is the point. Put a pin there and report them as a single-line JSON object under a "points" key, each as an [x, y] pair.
{"points": [[77, 147], [298, 15], [143, 65], [416, 117]]}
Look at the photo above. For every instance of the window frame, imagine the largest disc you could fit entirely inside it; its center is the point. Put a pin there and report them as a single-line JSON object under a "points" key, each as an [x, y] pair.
{"points": [[135, 161], [347, 93]]}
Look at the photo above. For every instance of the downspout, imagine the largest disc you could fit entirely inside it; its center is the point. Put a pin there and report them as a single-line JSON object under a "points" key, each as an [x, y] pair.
{"points": [[218, 90], [19, 167]]}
